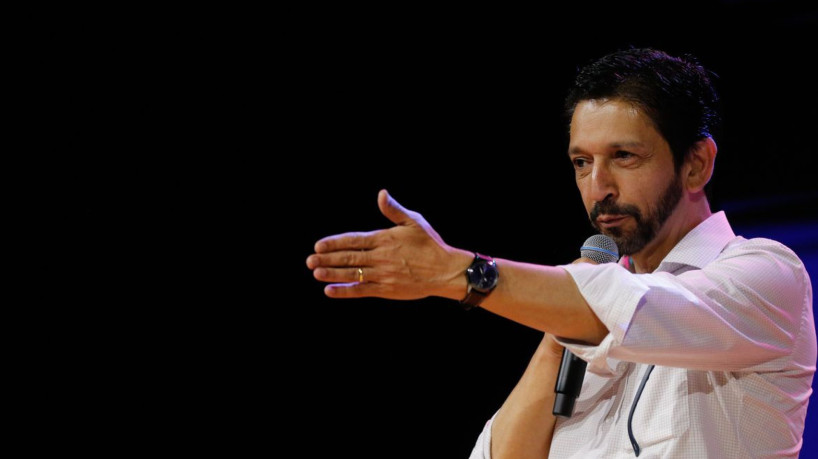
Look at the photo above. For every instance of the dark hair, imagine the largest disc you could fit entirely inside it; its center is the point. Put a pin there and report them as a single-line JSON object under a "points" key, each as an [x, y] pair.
{"points": [[675, 93]]}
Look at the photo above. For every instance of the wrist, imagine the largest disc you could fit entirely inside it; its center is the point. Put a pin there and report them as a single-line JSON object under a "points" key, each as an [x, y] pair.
{"points": [[549, 350], [456, 285], [481, 278]]}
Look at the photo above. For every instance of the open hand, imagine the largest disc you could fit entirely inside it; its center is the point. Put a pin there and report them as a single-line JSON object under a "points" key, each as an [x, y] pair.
{"points": [[407, 261]]}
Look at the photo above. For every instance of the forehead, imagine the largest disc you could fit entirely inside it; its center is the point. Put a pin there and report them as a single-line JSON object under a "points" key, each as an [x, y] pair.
{"points": [[606, 123]]}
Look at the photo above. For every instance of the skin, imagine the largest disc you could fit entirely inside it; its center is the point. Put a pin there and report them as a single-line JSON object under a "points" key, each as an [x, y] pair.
{"points": [[617, 155]]}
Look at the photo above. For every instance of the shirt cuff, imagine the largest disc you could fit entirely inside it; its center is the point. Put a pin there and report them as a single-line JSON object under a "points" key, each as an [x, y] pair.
{"points": [[613, 293]]}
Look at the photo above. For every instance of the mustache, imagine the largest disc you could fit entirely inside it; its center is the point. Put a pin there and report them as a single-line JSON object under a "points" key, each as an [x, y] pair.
{"points": [[611, 208]]}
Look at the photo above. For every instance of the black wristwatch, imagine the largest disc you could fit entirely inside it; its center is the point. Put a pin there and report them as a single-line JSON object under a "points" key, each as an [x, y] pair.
{"points": [[482, 277]]}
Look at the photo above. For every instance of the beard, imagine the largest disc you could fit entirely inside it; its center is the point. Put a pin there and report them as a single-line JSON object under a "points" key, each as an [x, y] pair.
{"points": [[647, 226]]}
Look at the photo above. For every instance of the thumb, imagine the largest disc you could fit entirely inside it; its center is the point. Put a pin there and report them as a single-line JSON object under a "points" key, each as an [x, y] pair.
{"points": [[392, 210]]}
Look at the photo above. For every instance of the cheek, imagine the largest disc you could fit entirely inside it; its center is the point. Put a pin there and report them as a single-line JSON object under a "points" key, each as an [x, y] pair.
{"points": [[640, 197]]}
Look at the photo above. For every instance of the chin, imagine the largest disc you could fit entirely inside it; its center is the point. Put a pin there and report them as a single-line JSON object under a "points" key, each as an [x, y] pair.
{"points": [[628, 243]]}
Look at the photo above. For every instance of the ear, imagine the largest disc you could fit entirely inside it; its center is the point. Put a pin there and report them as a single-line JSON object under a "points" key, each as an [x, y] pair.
{"points": [[699, 163]]}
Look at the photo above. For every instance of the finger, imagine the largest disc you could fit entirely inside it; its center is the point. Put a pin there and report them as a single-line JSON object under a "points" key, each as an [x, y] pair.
{"points": [[344, 274], [352, 290], [342, 259], [392, 210], [346, 241]]}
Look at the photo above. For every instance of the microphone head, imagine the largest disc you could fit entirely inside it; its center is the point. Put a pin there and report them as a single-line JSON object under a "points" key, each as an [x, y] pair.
{"points": [[600, 248]]}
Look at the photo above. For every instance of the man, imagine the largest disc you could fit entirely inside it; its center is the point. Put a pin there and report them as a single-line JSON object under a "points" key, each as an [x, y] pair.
{"points": [[722, 325]]}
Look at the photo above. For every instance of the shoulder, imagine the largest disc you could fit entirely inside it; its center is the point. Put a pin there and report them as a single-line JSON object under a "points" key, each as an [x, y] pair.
{"points": [[762, 249], [764, 266]]}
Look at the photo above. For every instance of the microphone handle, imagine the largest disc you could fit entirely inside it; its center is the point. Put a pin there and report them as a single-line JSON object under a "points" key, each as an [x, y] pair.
{"points": [[569, 383]]}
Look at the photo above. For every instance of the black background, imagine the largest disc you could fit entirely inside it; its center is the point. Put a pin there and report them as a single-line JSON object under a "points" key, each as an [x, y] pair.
{"points": [[198, 155]]}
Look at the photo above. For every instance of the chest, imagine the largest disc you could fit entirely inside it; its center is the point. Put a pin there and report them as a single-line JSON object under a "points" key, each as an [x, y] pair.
{"points": [[602, 414]]}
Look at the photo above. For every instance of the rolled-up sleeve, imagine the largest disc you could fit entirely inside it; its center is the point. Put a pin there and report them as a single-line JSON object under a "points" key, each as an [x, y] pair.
{"points": [[731, 315], [615, 307]]}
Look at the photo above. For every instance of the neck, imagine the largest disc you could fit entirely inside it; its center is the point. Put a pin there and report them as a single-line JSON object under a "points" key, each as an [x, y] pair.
{"points": [[688, 214]]}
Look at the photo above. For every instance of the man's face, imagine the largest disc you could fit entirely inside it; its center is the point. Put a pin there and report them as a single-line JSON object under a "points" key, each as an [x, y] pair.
{"points": [[624, 171]]}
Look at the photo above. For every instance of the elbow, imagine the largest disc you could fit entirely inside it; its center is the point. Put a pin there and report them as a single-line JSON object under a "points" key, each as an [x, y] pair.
{"points": [[591, 331]]}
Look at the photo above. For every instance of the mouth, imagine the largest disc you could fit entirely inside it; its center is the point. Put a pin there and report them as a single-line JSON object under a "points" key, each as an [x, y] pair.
{"points": [[610, 221]]}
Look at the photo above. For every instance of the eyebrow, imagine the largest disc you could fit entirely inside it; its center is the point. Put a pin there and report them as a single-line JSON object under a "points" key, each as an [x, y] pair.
{"points": [[616, 145]]}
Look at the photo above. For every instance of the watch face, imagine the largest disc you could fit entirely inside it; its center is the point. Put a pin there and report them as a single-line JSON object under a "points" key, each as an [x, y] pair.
{"points": [[489, 277], [483, 275]]}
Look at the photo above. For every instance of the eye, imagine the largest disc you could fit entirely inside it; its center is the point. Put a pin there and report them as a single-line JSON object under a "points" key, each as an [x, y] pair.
{"points": [[622, 154], [579, 163]]}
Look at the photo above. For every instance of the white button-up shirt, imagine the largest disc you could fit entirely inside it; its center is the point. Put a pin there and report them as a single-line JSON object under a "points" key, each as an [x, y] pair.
{"points": [[728, 323]]}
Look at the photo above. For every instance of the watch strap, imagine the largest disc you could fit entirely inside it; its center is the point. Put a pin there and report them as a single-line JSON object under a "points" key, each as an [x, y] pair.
{"points": [[473, 298]]}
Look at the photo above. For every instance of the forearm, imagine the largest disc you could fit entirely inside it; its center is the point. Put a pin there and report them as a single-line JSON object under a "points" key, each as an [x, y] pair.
{"points": [[411, 261], [524, 425], [542, 297]]}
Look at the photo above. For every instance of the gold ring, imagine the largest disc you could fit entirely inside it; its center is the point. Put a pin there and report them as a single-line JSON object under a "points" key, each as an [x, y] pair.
{"points": [[360, 274]]}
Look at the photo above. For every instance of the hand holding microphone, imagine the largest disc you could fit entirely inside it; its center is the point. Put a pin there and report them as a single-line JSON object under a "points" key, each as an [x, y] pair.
{"points": [[601, 249]]}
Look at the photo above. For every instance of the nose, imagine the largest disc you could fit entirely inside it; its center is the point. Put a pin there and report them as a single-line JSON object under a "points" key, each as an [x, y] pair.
{"points": [[602, 184]]}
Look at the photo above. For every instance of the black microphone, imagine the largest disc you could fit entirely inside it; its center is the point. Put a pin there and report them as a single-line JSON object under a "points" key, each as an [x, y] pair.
{"points": [[601, 249]]}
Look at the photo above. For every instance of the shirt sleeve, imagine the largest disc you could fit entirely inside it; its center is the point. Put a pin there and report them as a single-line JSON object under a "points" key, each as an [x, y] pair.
{"points": [[743, 311], [482, 448]]}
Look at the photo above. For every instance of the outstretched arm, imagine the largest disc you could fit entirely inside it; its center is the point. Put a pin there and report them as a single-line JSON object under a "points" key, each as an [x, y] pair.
{"points": [[410, 261]]}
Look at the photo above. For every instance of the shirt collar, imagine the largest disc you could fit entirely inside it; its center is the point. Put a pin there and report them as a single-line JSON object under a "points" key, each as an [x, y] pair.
{"points": [[701, 245]]}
